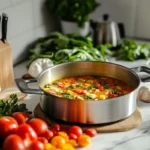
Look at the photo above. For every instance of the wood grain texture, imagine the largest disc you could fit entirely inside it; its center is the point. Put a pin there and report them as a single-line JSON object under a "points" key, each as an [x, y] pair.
{"points": [[130, 123], [6, 66]]}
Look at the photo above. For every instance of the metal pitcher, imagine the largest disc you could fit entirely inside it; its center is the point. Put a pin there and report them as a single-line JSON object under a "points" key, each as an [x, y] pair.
{"points": [[105, 31]]}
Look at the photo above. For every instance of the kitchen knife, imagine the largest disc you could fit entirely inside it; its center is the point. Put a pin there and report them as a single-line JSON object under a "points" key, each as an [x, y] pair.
{"points": [[6, 59], [4, 27]]}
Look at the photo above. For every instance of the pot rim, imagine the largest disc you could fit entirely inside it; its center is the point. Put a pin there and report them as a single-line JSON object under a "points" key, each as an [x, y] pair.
{"points": [[114, 99]]}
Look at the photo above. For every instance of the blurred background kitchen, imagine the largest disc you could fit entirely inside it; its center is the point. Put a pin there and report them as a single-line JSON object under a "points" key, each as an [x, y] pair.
{"points": [[31, 19]]}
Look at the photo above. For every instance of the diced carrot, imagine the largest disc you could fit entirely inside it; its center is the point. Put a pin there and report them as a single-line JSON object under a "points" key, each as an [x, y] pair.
{"points": [[100, 87], [79, 91]]}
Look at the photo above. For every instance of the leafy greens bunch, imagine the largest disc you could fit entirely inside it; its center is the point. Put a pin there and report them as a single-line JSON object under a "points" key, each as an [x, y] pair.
{"points": [[64, 48], [130, 50]]}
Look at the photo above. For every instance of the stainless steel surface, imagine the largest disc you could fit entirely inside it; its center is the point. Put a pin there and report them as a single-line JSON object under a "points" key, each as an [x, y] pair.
{"points": [[89, 112], [105, 32]]}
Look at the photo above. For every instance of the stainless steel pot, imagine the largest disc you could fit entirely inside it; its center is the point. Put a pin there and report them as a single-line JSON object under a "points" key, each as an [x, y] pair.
{"points": [[86, 112]]}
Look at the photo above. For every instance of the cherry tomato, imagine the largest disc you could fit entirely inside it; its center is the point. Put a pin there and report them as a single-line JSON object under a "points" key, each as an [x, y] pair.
{"points": [[21, 117], [48, 134], [55, 132], [42, 139], [91, 132], [75, 130], [73, 136], [8, 125], [13, 142], [38, 125], [72, 142], [56, 126], [49, 146], [36, 145], [25, 131], [84, 140], [58, 141], [64, 135], [67, 146]]}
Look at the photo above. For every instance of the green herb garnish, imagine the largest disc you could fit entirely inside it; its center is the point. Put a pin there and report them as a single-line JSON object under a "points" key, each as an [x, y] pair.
{"points": [[114, 91], [105, 85], [9, 106], [67, 95], [71, 87], [47, 85]]}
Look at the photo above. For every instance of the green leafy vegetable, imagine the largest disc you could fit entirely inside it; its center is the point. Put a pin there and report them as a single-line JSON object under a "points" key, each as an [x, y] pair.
{"points": [[64, 48], [130, 50], [9, 106], [105, 50], [78, 54], [73, 10]]}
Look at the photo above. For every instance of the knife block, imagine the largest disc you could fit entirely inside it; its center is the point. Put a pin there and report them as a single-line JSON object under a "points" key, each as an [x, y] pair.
{"points": [[6, 66]]}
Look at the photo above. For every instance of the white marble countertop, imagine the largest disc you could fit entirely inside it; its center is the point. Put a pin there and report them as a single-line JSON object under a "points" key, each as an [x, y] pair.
{"points": [[135, 139]]}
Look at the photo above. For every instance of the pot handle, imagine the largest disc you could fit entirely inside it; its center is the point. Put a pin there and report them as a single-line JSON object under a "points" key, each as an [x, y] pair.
{"points": [[23, 86], [142, 69]]}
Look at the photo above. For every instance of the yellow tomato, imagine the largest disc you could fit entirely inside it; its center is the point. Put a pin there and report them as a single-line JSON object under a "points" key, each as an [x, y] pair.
{"points": [[49, 146], [67, 146], [64, 135], [58, 141], [84, 140], [72, 142]]}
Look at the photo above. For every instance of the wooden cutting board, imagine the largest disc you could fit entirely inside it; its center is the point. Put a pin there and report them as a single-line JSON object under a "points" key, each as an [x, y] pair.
{"points": [[6, 93], [130, 123]]}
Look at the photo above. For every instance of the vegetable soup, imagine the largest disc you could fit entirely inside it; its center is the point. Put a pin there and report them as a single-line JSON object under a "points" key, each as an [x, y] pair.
{"points": [[88, 88]]}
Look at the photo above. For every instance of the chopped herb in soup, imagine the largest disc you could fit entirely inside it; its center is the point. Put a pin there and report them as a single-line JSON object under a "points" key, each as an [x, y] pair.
{"points": [[88, 88]]}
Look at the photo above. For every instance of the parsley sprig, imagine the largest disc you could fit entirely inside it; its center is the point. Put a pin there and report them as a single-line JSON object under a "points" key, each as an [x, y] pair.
{"points": [[10, 105]]}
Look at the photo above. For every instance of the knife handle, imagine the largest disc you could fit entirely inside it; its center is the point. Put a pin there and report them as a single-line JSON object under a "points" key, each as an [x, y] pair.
{"points": [[4, 27]]}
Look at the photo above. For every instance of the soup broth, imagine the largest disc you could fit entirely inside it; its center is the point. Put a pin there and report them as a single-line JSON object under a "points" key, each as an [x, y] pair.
{"points": [[88, 88]]}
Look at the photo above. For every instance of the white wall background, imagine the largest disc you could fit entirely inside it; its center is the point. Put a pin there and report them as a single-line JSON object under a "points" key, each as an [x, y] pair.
{"points": [[135, 14], [30, 19]]}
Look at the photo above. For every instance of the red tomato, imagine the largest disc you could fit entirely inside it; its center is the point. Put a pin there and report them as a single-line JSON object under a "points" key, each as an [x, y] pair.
{"points": [[55, 132], [42, 139], [91, 132], [36, 145], [56, 126], [100, 87], [13, 142], [8, 125], [25, 131], [112, 95], [75, 130], [21, 117], [38, 125], [73, 136], [48, 134]]}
